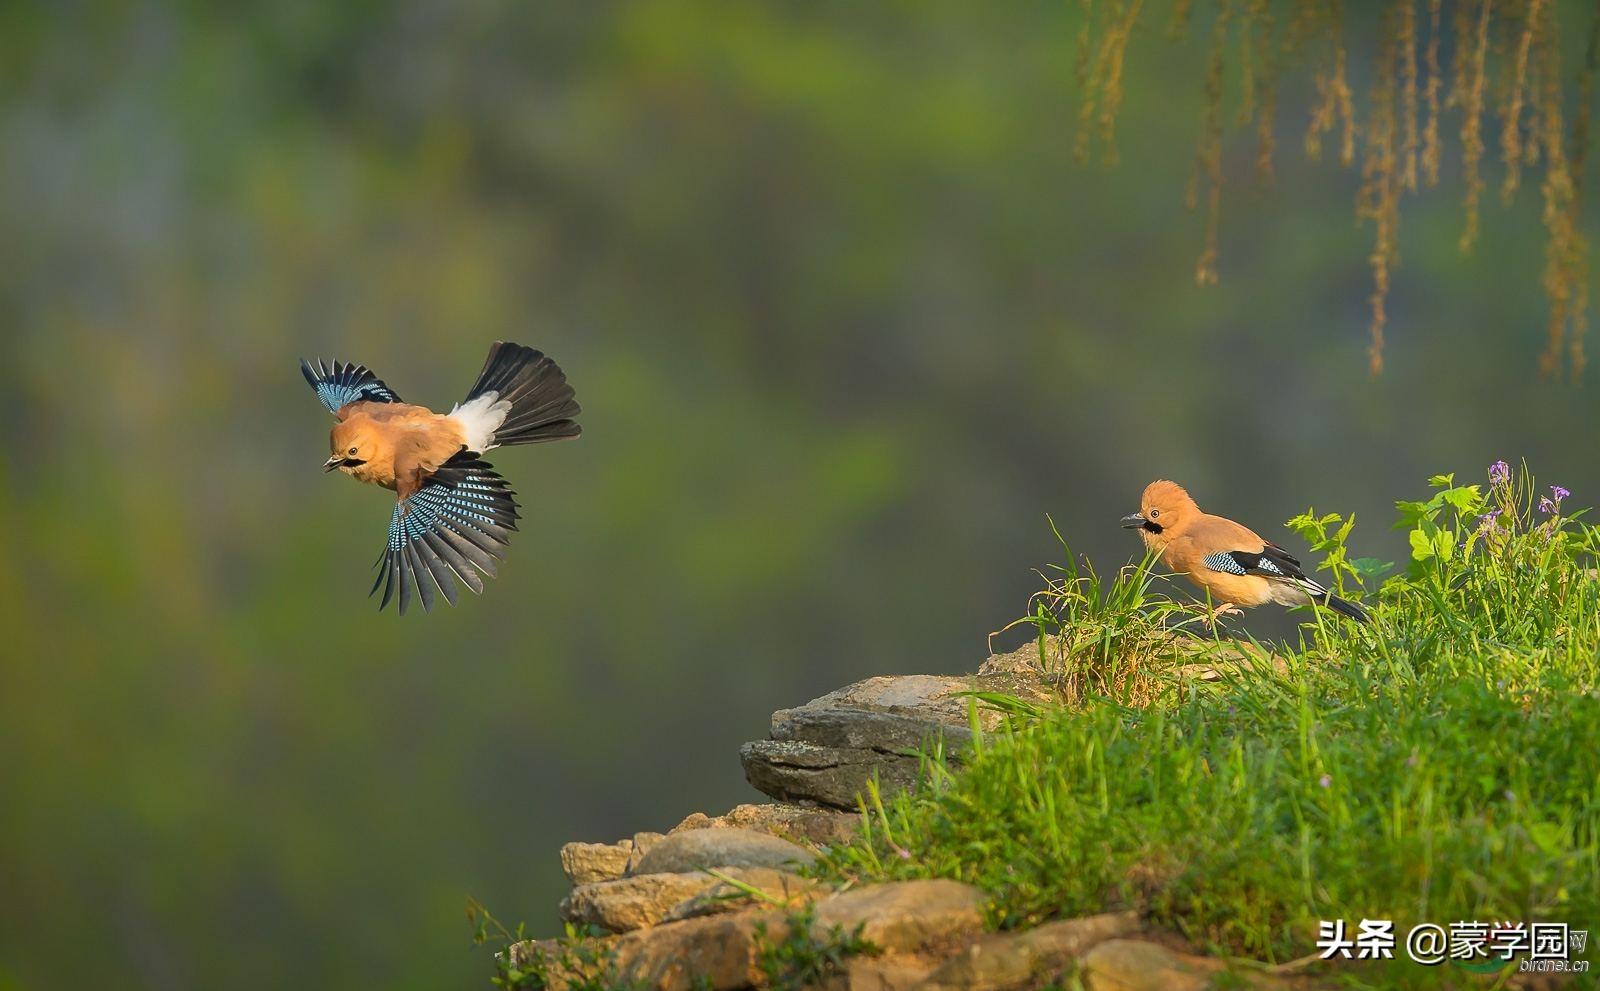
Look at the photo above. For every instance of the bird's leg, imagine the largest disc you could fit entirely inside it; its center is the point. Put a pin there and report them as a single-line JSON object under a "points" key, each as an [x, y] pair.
{"points": [[1220, 610]]}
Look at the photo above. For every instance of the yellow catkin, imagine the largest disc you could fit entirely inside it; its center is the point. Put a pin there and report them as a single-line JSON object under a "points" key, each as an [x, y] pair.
{"points": [[1301, 26], [1088, 84], [1178, 26], [1382, 177], [1580, 123], [1111, 97], [1325, 111], [1430, 130], [1407, 41], [1472, 123], [1341, 91], [1461, 61], [1266, 102], [1511, 130], [1247, 62], [1208, 153], [1567, 250], [1400, 137]]}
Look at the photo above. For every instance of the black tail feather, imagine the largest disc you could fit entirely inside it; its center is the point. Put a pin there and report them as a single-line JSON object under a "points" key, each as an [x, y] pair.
{"points": [[1346, 607], [542, 403]]}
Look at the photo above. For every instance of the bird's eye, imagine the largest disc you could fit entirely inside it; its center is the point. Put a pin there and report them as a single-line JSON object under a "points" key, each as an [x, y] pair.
{"points": [[1154, 513], [352, 450]]}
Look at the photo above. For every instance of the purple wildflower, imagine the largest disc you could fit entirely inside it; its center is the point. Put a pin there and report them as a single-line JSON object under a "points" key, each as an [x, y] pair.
{"points": [[1545, 505], [1559, 493], [1326, 781], [902, 853], [1499, 473], [1490, 521]]}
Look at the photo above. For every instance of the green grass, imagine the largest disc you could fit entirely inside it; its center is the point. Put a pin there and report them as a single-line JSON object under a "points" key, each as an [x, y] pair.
{"points": [[1105, 637], [579, 961], [1439, 764], [807, 954]]}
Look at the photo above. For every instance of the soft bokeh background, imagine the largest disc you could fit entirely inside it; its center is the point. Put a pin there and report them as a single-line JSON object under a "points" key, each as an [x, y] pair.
{"points": [[846, 320]]}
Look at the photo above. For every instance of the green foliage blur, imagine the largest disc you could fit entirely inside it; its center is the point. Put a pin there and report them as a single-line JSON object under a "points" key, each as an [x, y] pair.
{"points": [[846, 320]]}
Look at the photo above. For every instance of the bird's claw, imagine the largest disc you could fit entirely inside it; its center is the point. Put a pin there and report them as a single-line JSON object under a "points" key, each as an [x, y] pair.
{"points": [[1217, 612]]}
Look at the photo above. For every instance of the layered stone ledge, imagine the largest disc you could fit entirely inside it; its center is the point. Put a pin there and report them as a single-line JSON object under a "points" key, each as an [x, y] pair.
{"points": [[690, 909]]}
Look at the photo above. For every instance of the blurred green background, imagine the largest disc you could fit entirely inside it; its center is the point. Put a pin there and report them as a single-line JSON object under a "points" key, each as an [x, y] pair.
{"points": [[846, 320]]}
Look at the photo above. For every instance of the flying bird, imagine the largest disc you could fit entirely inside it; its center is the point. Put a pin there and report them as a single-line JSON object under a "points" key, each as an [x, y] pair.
{"points": [[1225, 558], [453, 513]]}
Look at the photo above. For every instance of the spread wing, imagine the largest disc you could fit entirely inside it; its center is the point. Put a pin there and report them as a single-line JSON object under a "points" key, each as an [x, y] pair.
{"points": [[454, 526], [342, 384], [1271, 561]]}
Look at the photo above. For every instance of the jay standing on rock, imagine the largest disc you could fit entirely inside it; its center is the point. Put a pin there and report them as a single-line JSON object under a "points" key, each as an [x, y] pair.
{"points": [[453, 515], [1228, 560]]}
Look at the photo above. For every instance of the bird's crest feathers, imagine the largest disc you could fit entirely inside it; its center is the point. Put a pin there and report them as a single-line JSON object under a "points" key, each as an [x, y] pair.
{"points": [[1166, 496]]}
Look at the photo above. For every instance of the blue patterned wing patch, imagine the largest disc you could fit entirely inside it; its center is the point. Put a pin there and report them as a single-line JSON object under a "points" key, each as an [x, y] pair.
{"points": [[340, 384], [1270, 562], [1269, 566], [454, 527], [1225, 562]]}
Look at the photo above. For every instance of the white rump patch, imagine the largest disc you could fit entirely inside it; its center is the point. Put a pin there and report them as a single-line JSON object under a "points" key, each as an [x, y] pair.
{"points": [[479, 419]]}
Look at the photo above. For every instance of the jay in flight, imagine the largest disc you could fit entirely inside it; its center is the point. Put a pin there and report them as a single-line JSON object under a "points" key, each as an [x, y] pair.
{"points": [[453, 513], [1228, 560]]}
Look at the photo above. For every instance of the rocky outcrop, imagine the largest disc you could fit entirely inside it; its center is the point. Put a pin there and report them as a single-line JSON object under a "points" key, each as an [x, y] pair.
{"points": [[803, 824], [628, 903], [587, 863], [697, 849], [1140, 965], [722, 953], [1003, 961], [704, 905], [827, 750]]}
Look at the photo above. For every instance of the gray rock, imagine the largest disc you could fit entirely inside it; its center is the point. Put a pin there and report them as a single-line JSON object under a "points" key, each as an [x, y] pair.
{"points": [[775, 886], [642, 842], [644, 900], [1004, 961], [804, 772], [714, 953], [906, 916], [1136, 965], [631, 903], [587, 863], [803, 824], [867, 973], [697, 849], [828, 749]]}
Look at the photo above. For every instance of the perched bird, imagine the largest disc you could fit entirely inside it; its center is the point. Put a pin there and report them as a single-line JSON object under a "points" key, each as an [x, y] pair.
{"points": [[1226, 559], [454, 514]]}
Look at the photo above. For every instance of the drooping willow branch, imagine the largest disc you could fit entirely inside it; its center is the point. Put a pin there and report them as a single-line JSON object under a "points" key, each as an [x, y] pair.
{"points": [[1505, 55]]}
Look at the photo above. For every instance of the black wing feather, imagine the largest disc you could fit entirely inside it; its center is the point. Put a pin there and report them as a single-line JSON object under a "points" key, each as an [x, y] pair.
{"points": [[454, 527], [340, 384], [1274, 563]]}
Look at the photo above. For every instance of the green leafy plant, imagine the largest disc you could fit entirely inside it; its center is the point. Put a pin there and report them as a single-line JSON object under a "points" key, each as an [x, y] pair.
{"points": [[1328, 535], [805, 955], [577, 962]]}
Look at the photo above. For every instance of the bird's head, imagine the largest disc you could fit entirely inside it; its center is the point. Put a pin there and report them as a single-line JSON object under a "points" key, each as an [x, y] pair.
{"points": [[1165, 510], [353, 443]]}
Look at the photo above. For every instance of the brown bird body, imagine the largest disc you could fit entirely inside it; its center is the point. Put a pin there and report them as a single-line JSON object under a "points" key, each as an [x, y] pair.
{"points": [[453, 513], [1228, 560], [395, 445]]}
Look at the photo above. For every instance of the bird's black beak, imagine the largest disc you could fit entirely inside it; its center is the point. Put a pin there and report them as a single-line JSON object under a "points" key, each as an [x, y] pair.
{"points": [[1133, 521], [334, 462]]}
